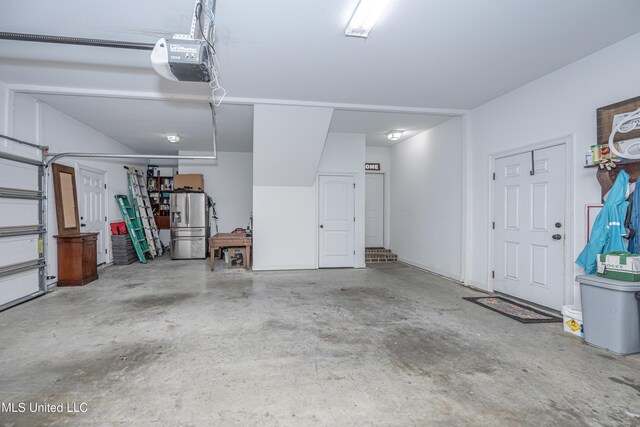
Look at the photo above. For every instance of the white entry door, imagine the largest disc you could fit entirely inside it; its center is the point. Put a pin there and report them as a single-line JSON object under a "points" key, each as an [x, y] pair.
{"points": [[530, 226], [91, 197], [336, 221], [374, 210]]}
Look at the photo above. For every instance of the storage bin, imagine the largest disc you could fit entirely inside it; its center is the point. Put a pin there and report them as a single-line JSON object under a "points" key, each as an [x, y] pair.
{"points": [[119, 228], [610, 314]]}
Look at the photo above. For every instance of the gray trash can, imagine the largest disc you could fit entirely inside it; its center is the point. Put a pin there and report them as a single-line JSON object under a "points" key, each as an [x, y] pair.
{"points": [[610, 314]]}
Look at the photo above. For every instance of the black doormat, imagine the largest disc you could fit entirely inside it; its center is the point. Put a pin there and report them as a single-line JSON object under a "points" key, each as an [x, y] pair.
{"points": [[519, 312]]}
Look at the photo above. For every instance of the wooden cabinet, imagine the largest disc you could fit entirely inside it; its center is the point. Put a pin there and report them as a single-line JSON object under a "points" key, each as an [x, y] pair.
{"points": [[77, 259]]}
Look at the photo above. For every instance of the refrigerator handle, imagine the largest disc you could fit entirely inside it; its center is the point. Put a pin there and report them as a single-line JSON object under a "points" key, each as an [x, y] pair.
{"points": [[188, 201]]}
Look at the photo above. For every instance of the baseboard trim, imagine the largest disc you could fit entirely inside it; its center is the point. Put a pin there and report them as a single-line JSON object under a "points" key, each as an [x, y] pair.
{"points": [[480, 287], [285, 267], [431, 270]]}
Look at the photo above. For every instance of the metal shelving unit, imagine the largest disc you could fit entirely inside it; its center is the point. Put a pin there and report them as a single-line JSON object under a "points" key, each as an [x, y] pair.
{"points": [[40, 229]]}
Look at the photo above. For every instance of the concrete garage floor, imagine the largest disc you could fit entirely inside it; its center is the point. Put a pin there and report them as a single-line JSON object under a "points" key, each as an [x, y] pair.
{"points": [[172, 343]]}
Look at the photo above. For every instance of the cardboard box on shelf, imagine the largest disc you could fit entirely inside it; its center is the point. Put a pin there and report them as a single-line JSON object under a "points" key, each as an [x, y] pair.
{"points": [[190, 181], [237, 257]]}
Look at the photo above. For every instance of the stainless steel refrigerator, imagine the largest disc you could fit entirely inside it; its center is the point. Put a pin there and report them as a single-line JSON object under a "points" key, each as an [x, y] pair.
{"points": [[189, 225]]}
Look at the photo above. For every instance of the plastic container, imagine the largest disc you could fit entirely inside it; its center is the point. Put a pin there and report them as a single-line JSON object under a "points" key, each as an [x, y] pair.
{"points": [[572, 320], [588, 159], [610, 314], [118, 228]]}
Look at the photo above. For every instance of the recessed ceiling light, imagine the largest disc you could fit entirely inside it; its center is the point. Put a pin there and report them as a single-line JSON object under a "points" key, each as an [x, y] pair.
{"points": [[173, 138], [365, 17], [394, 135]]}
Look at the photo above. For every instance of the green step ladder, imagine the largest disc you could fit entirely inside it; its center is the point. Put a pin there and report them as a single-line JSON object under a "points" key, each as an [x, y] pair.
{"points": [[134, 227]]}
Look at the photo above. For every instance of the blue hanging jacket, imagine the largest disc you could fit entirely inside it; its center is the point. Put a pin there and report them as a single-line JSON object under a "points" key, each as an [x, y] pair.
{"points": [[608, 228], [634, 244]]}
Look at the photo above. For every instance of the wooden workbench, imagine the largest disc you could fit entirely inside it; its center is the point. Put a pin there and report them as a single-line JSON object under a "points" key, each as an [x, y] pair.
{"points": [[230, 240]]}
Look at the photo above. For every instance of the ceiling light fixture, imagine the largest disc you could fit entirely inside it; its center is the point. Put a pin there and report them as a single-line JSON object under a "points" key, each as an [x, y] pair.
{"points": [[365, 17], [394, 135], [173, 138]]}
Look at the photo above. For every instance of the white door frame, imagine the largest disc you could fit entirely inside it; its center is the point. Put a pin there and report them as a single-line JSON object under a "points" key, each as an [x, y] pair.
{"points": [[357, 221], [568, 142], [384, 199], [106, 232]]}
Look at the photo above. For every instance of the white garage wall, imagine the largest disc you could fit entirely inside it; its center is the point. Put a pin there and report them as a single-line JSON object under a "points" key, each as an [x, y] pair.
{"points": [[287, 225], [288, 143], [560, 104], [229, 181], [287, 148], [426, 199], [382, 155], [36, 122], [344, 153], [285, 235]]}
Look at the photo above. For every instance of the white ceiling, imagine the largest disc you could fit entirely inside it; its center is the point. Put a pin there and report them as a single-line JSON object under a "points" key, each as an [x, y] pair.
{"points": [[143, 124], [423, 53], [375, 125]]}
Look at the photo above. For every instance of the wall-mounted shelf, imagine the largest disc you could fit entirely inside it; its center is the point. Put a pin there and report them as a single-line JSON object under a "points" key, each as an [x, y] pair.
{"points": [[606, 178], [620, 163]]}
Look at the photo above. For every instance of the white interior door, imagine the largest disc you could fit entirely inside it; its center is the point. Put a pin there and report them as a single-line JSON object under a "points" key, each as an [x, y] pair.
{"points": [[336, 221], [93, 217], [529, 226], [374, 210]]}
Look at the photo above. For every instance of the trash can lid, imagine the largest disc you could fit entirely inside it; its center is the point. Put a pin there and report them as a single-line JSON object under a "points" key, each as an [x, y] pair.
{"points": [[614, 285]]}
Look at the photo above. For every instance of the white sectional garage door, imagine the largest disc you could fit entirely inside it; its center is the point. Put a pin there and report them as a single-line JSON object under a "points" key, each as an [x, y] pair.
{"points": [[22, 262]]}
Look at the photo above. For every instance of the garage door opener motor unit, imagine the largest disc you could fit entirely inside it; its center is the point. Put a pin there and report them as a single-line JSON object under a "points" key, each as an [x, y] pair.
{"points": [[182, 60], [186, 57]]}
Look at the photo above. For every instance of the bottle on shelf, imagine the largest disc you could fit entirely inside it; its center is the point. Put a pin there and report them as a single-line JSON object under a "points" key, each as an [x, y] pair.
{"points": [[588, 159]]}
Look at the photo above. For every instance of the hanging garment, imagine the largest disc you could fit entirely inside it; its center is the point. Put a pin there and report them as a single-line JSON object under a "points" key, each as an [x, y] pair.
{"points": [[608, 228], [634, 243]]}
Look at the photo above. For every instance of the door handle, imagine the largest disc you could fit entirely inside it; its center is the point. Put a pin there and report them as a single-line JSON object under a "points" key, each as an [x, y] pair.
{"points": [[321, 226], [83, 225], [556, 237]]}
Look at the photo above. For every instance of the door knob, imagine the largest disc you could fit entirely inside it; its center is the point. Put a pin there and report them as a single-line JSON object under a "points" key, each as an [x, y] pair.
{"points": [[556, 237], [321, 226]]}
